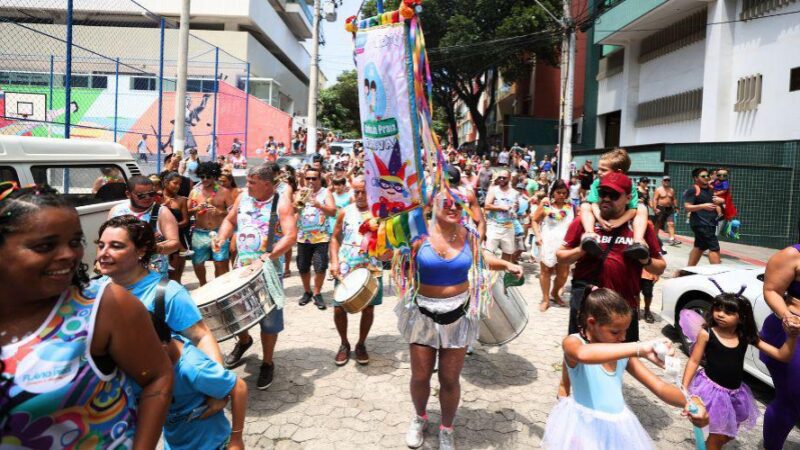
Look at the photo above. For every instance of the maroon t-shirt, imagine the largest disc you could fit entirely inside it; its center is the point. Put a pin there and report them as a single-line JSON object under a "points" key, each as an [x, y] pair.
{"points": [[619, 273]]}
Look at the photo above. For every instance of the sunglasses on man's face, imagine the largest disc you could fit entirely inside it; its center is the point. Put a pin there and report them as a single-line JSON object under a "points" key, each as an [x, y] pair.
{"points": [[359, 192], [145, 195], [722, 175], [311, 178], [205, 177], [703, 175], [502, 178], [613, 195]]}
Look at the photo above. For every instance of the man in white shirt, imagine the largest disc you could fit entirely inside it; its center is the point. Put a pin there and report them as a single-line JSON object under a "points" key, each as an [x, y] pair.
{"points": [[142, 149], [502, 158]]}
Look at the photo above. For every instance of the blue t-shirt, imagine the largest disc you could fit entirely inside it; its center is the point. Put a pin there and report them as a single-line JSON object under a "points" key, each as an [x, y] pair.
{"points": [[196, 377], [546, 166], [181, 311]]}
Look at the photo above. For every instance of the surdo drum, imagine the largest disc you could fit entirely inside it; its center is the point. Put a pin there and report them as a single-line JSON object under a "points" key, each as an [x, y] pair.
{"points": [[234, 302], [356, 290], [507, 316]]}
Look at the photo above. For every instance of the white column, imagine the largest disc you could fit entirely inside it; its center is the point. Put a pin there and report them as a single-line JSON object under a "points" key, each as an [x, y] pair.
{"points": [[630, 94], [718, 76]]}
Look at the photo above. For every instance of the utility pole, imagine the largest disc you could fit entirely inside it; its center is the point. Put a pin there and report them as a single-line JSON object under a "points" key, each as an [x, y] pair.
{"points": [[567, 91], [313, 85], [179, 132]]}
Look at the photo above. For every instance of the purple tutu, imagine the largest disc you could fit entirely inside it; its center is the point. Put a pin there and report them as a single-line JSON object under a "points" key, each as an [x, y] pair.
{"points": [[728, 409]]}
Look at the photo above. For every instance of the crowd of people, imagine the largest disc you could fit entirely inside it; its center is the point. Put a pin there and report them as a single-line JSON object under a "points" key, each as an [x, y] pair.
{"points": [[151, 367]]}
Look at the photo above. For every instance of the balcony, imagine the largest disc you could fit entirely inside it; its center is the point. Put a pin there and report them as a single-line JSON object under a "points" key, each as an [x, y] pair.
{"points": [[627, 20], [298, 17]]}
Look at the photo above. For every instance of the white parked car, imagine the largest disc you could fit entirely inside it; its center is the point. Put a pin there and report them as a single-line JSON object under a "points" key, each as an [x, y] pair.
{"points": [[693, 289]]}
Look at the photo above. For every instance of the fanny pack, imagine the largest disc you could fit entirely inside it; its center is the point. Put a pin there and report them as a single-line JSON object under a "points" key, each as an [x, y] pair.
{"points": [[448, 317]]}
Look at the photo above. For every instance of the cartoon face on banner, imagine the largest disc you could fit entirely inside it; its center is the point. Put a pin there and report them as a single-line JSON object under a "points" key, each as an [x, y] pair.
{"points": [[390, 157]]}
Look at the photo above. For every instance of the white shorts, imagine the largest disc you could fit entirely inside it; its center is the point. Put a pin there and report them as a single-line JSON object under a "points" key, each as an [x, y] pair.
{"points": [[502, 238]]}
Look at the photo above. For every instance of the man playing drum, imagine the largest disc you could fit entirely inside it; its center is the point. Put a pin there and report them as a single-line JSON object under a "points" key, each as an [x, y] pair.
{"points": [[208, 203], [250, 220], [345, 258]]}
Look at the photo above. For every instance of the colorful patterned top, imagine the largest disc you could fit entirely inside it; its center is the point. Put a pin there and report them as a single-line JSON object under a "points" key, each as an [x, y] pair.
{"points": [[158, 263], [252, 229], [58, 398], [312, 226], [196, 196], [351, 256], [502, 219]]}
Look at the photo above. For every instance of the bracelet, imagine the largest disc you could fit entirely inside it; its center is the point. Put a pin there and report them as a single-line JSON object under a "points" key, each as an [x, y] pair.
{"points": [[237, 431], [638, 348]]}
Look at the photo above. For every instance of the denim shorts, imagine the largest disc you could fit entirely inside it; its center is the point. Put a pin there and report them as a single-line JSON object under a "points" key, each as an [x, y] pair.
{"points": [[272, 323]]}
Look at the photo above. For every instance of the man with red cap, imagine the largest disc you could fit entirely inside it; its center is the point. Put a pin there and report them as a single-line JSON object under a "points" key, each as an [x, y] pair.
{"points": [[612, 269]]}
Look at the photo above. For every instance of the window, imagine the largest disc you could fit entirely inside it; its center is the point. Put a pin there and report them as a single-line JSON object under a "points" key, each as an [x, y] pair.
{"points": [[748, 93], [752, 9], [794, 79], [143, 84], [199, 85], [99, 82], [83, 185], [678, 35], [674, 108], [76, 81], [25, 79], [8, 174]]}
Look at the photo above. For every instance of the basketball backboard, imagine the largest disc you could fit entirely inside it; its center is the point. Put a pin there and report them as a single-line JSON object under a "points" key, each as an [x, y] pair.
{"points": [[26, 106]]}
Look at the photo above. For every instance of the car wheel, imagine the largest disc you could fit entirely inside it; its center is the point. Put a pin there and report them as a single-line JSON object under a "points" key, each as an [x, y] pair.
{"points": [[700, 306]]}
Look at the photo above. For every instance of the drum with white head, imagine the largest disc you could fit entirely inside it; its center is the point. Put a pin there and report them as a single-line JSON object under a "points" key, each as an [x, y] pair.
{"points": [[356, 290], [234, 302]]}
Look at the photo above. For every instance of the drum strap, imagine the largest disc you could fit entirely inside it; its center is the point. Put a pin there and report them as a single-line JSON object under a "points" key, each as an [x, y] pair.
{"points": [[273, 223], [159, 314]]}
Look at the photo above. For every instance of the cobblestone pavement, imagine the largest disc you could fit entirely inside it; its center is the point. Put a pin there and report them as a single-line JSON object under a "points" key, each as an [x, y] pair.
{"points": [[507, 392]]}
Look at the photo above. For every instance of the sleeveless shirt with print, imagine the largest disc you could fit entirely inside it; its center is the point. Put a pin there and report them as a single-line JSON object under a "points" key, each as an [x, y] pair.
{"points": [[252, 229], [312, 225], [57, 397], [351, 256]]}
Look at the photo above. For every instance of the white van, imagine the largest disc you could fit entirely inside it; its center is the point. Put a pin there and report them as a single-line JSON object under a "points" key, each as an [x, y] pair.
{"points": [[72, 167]]}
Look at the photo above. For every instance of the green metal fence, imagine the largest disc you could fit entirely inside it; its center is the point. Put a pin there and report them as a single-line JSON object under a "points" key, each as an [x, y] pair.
{"points": [[763, 178]]}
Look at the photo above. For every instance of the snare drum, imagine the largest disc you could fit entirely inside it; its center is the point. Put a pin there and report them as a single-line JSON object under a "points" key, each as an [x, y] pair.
{"points": [[356, 290], [234, 302], [507, 316]]}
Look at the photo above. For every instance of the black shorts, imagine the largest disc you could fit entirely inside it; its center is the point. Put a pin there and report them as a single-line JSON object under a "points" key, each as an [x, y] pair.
{"points": [[666, 215], [646, 286], [312, 254], [705, 238]]}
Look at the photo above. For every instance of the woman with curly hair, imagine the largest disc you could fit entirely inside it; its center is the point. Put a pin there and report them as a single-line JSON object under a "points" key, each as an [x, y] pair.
{"points": [[69, 348]]}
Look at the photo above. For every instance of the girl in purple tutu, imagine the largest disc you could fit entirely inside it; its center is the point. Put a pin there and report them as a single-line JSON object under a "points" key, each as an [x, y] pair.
{"points": [[730, 327]]}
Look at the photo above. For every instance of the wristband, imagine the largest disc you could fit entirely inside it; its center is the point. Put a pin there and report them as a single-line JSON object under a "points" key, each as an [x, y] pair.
{"points": [[638, 348]]}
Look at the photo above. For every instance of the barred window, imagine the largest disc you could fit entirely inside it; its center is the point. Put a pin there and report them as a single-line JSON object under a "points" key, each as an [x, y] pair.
{"points": [[674, 108], [752, 9], [748, 93], [680, 34], [611, 64]]}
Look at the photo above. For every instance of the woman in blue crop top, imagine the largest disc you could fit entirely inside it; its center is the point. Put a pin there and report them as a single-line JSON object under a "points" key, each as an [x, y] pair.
{"points": [[435, 322], [782, 276], [595, 416]]}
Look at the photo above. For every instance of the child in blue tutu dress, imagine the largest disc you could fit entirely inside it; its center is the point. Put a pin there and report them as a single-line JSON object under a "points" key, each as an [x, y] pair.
{"points": [[595, 416], [729, 329]]}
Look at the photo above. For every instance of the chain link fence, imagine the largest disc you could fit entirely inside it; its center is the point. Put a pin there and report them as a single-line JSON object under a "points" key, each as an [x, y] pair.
{"points": [[107, 70]]}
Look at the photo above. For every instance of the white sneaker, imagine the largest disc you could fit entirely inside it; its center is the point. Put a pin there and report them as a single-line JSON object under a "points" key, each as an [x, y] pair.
{"points": [[416, 431], [446, 439]]}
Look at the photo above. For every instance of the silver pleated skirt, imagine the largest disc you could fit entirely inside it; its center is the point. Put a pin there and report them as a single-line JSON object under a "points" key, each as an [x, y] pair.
{"points": [[418, 328]]}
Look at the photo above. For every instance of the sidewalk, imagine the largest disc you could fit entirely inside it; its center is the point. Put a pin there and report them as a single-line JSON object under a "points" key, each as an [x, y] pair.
{"points": [[731, 252]]}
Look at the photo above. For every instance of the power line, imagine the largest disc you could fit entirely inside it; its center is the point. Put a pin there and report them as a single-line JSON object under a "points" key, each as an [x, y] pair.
{"points": [[725, 22]]}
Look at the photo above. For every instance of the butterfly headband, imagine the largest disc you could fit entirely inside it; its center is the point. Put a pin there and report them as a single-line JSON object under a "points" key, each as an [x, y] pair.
{"points": [[722, 291]]}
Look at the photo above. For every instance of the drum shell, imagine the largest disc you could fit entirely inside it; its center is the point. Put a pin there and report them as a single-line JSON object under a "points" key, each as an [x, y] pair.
{"points": [[237, 310], [363, 297], [507, 317]]}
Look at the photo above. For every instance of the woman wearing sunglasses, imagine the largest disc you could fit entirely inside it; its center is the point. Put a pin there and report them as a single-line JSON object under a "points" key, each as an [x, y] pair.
{"points": [[439, 315]]}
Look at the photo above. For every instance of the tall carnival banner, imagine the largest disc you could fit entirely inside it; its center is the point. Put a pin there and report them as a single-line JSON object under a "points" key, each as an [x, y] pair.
{"points": [[390, 139]]}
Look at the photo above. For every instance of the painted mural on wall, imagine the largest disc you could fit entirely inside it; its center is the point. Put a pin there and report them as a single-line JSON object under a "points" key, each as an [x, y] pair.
{"points": [[31, 111]]}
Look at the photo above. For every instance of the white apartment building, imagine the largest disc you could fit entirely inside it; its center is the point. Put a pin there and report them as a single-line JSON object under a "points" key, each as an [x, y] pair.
{"points": [[266, 33], [698, 71]]}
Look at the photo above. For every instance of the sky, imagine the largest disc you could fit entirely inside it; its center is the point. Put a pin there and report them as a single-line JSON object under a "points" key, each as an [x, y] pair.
{"points": [[337, 54]]}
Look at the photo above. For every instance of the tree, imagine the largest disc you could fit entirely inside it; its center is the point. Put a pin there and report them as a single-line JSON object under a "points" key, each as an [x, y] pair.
{"points": [[338, 105]]}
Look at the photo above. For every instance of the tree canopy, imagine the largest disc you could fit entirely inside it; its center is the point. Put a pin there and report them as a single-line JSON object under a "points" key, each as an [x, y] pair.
{"points": [[338, 105]]}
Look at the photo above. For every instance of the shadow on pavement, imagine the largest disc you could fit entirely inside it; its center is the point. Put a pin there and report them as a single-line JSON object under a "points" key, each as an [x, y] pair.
{"points": [[295, 372], [498, 369], [500, 428]]}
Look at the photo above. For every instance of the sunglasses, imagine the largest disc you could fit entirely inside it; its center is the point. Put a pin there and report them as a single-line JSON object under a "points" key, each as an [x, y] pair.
{"points": [[205, 177], [613, 195], [450, 203], [311, 178], [359, 192], [502, 178], [702, 176], [145, 195], [722, 175]]}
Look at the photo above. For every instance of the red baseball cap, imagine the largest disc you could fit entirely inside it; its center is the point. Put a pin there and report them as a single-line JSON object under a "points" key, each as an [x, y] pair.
{"points": [[617, 182]]}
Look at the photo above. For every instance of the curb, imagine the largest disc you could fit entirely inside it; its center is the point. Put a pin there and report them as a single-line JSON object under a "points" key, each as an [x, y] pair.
{"points": [[728, 253]]}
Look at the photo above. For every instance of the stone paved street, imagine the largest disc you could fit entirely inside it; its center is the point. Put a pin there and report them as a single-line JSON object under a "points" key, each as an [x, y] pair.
{"points": [[507, 392]]}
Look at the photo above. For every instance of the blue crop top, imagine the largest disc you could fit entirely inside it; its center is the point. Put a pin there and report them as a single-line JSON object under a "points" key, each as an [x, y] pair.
{"points": [[436, 271], [595, 388]]}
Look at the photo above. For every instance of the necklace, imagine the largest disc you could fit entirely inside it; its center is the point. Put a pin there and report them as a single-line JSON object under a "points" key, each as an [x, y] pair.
{"points": [[450, 240]]}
